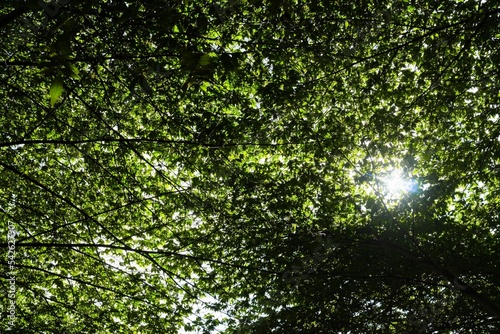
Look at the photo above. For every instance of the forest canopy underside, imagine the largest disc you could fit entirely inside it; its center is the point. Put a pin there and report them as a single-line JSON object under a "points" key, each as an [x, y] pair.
{"points": [[224, 166]]}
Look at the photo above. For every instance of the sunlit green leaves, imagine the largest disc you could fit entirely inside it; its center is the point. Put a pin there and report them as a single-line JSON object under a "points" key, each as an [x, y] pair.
{"points": [[56, 89], [71, 70], [230, 157]]}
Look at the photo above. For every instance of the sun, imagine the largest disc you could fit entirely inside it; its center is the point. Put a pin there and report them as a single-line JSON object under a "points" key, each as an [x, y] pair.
{"points": [[395, 185]]}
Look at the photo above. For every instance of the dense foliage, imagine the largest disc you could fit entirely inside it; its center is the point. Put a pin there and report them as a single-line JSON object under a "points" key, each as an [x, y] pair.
{"points": [[219, 166]]}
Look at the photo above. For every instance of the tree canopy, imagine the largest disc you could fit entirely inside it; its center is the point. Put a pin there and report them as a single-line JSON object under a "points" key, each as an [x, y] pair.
{"points": [[224, 166]]}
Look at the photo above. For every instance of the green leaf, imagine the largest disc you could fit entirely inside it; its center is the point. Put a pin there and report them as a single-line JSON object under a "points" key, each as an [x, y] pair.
{"points": [[204, 85], [205, 60], [71, 70], [56, 89]]}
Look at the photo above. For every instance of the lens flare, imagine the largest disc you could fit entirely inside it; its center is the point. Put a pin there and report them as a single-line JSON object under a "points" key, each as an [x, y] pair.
{"points": [[396, 185]]}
